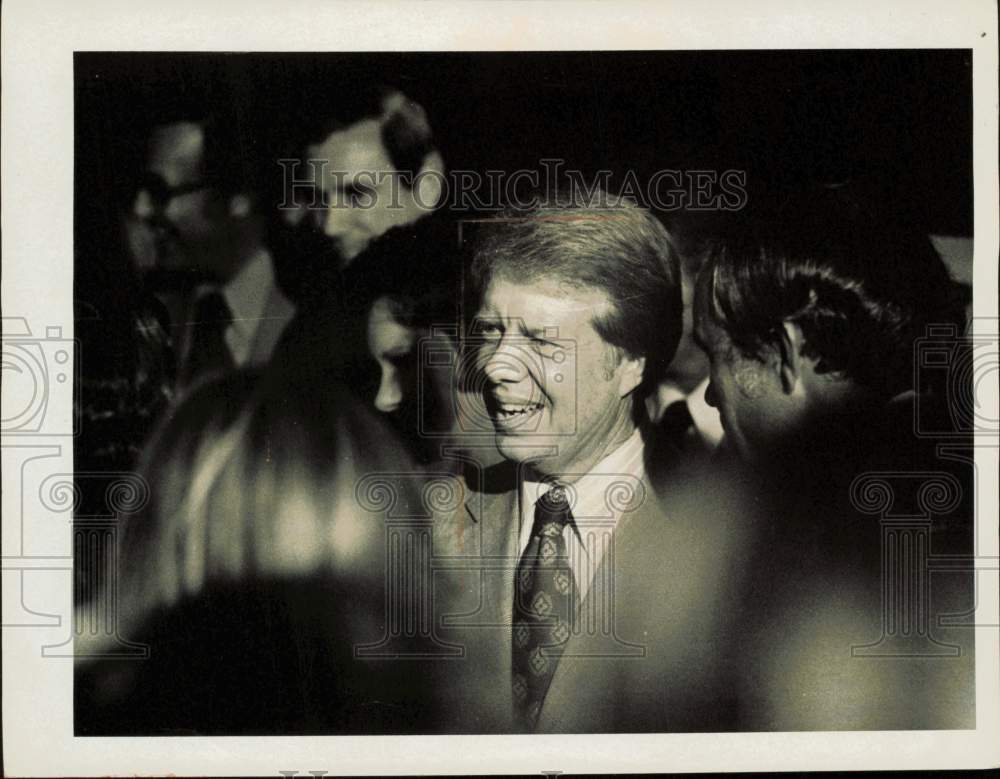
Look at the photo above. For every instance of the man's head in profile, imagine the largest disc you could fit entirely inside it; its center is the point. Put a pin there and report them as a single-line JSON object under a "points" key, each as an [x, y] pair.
{"points": [[810, 325], [580, 314], [361, 168]]}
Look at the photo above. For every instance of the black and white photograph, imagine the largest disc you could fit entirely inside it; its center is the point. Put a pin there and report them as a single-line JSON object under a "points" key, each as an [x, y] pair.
{"points": [[633, 392]]}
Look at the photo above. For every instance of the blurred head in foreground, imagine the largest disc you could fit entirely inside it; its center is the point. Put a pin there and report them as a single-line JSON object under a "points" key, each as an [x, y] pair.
{"points": [[259, 564], [257, 478]]}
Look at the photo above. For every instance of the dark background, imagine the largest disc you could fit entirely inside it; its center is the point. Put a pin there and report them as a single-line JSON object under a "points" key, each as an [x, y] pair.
{"points": [[900, 121], [789, 118]]}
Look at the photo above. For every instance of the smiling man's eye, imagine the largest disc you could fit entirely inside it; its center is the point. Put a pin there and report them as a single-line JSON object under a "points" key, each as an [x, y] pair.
{"points": [[546, 348], [490, 329]]}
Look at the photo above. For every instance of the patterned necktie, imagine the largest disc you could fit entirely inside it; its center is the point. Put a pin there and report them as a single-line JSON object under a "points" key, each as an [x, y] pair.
{"points": [[207, 348], [545, 599]]}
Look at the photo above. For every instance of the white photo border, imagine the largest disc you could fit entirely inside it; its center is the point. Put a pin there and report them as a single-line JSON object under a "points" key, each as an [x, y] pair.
{"points": [[39, 40]]}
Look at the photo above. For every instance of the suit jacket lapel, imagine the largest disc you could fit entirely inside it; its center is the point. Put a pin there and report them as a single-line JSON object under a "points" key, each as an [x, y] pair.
{"points": [[498, 524], [484, 536], [278, 312], [585, 646]]}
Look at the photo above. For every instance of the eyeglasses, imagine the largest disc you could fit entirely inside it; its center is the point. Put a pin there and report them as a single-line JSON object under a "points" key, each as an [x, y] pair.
{"points": [[161, 193]]}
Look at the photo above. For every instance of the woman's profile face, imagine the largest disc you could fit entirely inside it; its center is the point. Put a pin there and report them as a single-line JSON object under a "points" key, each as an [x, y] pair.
{"points": [[393, 347]]}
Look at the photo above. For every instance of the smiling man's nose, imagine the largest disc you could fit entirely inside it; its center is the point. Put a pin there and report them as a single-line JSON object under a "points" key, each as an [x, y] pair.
{"points": [[505, 364]]}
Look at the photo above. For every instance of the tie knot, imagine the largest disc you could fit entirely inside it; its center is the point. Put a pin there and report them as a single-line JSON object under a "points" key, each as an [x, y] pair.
{"points": [[552, 511], [556, 498]]}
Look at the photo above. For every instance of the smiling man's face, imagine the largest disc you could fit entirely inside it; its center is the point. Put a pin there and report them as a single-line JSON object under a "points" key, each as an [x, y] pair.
{"points": [[557, 393]]}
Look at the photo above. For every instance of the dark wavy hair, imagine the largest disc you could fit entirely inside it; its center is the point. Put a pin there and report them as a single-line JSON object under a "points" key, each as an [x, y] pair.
{"points": [[600, 242], [861, 285]]}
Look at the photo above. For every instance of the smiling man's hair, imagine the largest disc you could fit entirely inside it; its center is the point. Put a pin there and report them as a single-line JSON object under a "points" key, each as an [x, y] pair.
{"points": [[595, 241]]}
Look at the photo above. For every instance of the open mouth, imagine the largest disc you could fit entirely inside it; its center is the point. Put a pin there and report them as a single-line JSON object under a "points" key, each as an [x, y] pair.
{"points": [[513, 414]]}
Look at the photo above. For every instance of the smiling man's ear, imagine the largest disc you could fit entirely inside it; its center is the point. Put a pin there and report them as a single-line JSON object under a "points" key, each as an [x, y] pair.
{"points": [[790, 365], [630, 374]]}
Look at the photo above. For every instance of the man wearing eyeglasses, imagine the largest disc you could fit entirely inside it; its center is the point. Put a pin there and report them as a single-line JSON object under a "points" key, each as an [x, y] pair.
{"points": [[196, 231]]}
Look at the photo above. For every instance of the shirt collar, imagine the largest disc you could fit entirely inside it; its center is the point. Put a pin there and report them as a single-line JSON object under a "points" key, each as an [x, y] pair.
{"points": [[590, 491], [247, 292]]}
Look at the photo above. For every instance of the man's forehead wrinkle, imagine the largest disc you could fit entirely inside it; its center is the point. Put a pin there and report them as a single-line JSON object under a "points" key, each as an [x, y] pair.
{"points": [[567, 303], [595, 307], [543, 319], [572, 296]]}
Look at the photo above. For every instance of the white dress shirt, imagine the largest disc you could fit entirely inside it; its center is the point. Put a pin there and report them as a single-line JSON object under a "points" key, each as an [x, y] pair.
{"points": [[254, 299], [597, 502], [246, 294]]}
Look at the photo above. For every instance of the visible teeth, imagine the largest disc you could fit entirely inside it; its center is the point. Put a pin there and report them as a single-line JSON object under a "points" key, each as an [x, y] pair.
{"points": [[511, 411]]}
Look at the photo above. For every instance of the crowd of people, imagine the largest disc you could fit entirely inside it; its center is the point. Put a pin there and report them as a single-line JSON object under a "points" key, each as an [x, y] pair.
{"points": [[562, 469]]}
